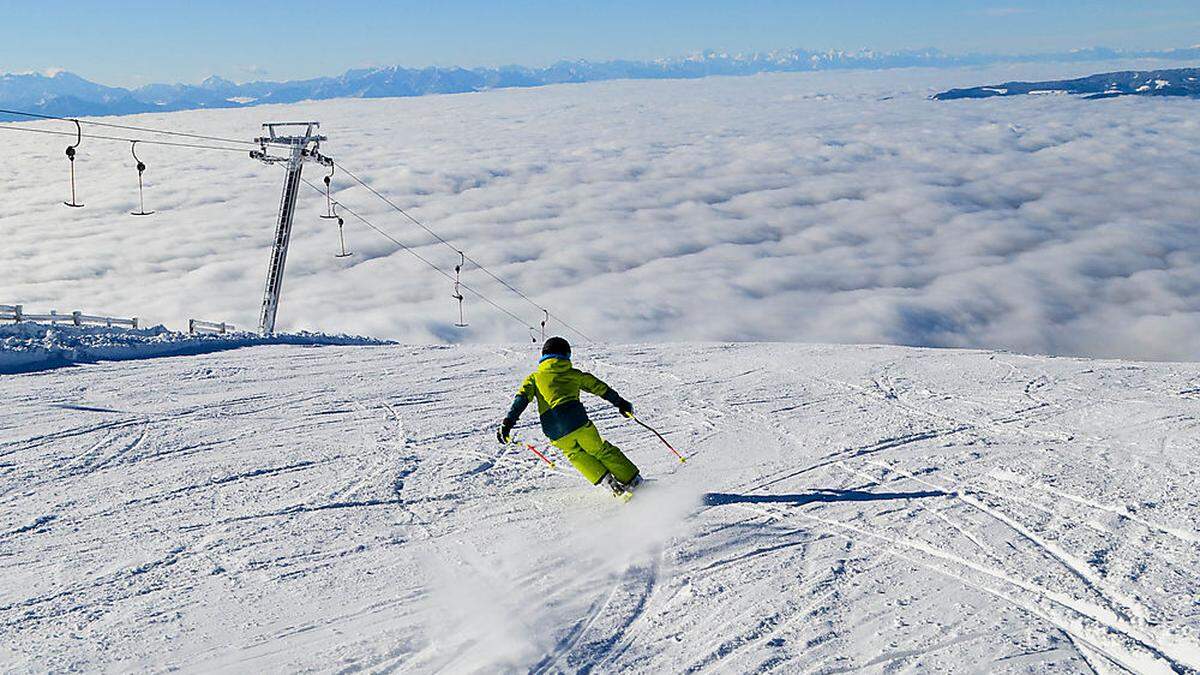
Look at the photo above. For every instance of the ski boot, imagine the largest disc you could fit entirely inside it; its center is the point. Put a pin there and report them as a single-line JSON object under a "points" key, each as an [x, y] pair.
{"points": [[622, 491]]}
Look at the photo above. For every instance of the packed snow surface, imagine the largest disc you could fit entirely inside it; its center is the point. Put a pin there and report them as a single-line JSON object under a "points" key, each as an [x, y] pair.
{"points": [[289, 508]]}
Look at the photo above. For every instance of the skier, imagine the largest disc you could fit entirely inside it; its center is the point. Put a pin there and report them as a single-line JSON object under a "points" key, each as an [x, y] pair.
{"points": [[556, 386]]}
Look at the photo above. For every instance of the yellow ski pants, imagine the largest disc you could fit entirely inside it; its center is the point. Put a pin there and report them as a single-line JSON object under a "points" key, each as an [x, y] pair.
{"points": [[593, 456]]}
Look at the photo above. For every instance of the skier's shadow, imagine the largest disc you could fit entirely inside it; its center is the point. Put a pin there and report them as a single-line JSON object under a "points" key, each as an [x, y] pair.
{"points": [[724, 498]]}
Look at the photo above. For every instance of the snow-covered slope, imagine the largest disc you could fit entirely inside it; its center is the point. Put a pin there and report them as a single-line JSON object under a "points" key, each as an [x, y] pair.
{"points": [[1172, 82], [285, 508]]}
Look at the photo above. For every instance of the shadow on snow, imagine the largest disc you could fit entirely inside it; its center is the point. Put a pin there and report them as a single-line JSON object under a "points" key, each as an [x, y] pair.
{"points": [[723, 498]]}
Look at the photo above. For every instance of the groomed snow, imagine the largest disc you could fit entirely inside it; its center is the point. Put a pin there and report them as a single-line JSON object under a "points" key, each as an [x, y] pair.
{"points": [[289, 508]]}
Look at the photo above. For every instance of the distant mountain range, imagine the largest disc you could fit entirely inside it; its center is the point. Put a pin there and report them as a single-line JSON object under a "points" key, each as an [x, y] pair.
{"points": [[1177, 82], [66, 94]]}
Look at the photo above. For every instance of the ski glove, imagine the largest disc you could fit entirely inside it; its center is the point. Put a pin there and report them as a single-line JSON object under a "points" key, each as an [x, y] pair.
{"points": [[625, 408], [504, 433]]}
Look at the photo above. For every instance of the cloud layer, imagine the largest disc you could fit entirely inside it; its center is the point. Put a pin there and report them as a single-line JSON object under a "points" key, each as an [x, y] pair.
{"points": [[841, 207]]}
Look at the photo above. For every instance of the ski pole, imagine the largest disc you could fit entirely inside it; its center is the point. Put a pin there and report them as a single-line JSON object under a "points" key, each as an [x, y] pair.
{"points": [[537, 452], [660, 437]]}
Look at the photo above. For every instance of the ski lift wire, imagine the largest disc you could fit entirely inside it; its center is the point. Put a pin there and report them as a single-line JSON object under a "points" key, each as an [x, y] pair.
{"points": [[128, 127], [474, 262], [121, 139], [418, 256]]}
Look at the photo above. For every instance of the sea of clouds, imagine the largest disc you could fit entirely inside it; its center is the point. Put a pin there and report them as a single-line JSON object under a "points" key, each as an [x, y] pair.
{"points": [[831, 207]]}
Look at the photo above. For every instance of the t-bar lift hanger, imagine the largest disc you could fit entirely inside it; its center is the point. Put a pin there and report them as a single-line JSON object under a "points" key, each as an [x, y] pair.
{"points": [[141, 167], [74, 203]]}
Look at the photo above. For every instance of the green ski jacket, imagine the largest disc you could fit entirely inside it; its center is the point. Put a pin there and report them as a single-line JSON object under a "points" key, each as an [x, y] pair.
{"points": [[555, 385]]}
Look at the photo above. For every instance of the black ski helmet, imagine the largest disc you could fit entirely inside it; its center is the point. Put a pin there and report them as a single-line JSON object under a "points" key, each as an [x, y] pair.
{"points": [[557, 346]]}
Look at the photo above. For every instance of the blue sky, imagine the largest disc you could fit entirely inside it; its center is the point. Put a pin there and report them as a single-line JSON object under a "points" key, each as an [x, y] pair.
{"points": [[130, 43]]}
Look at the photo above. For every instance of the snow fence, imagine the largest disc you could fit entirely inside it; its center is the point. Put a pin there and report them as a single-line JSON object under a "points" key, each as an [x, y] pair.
{"points": [[28, 347]]}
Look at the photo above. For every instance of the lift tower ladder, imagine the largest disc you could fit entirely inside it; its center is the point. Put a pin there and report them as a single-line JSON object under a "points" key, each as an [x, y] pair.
{"points": [[296, 149]]}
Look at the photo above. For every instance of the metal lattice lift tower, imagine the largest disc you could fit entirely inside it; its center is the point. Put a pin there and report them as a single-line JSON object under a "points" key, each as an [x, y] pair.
{"points": [[298, 149]]}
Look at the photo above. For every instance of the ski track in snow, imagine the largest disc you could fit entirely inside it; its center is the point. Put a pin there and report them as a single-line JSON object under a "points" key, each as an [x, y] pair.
{"points": [[843, 509]]}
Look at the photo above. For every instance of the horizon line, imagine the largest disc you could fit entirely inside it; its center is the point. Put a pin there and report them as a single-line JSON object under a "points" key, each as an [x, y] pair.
{"points": [[51, 72]]}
